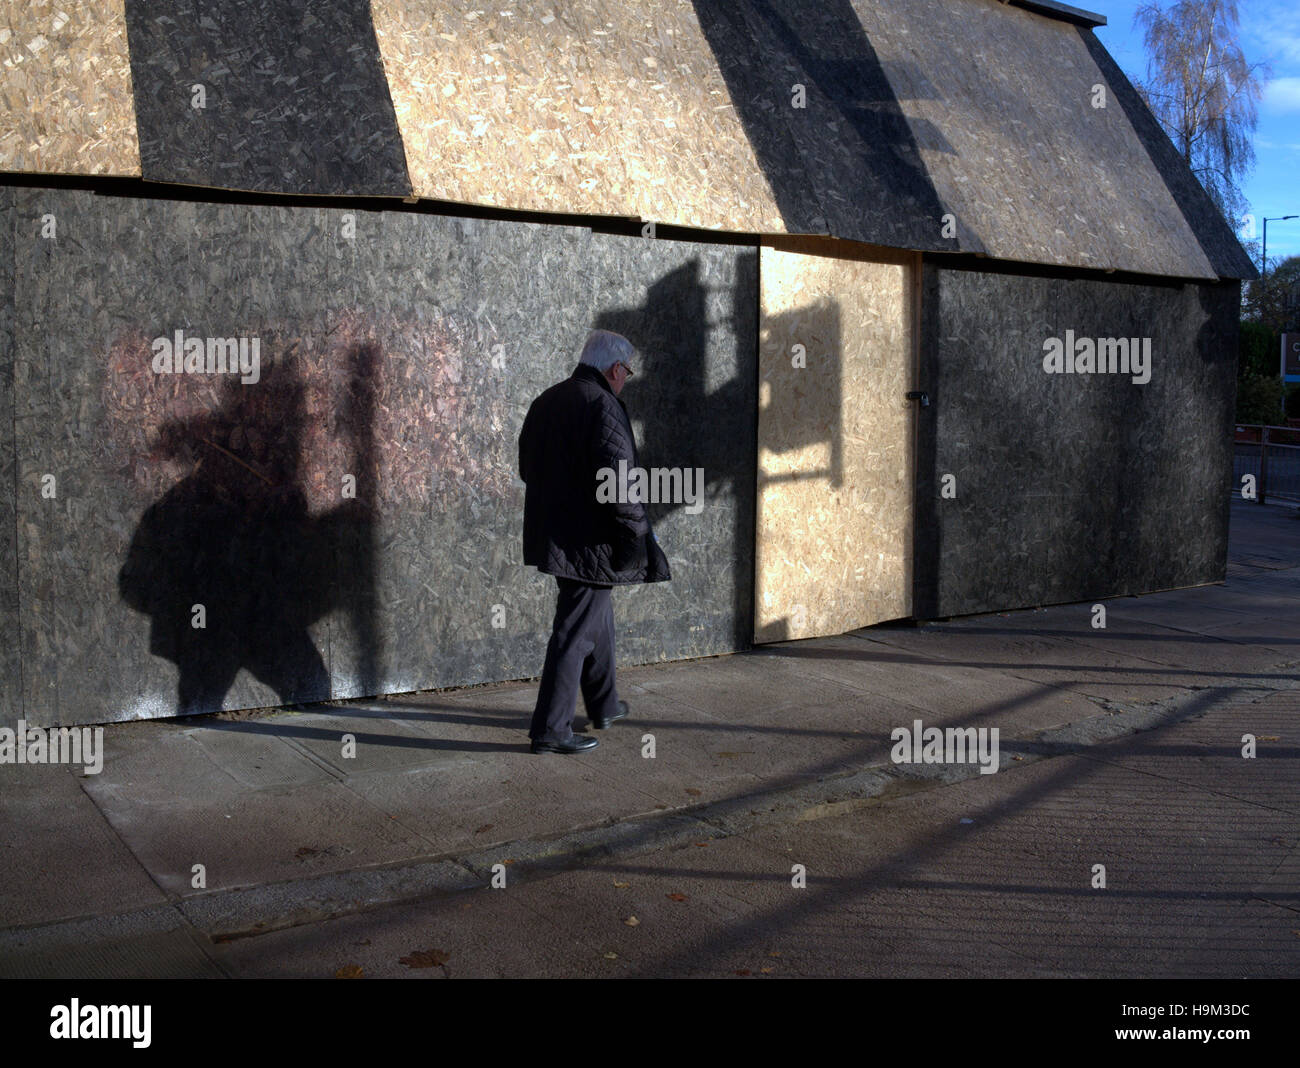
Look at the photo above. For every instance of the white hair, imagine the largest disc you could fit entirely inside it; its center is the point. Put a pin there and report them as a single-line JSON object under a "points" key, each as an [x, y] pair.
{"points": [[604, 348]]}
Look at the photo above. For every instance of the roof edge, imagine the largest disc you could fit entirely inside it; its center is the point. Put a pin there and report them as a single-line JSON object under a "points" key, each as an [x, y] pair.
{"points": [[1053, 9]]}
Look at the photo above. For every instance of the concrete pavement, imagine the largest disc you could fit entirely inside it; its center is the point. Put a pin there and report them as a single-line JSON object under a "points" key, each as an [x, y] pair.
{"points": [[1119, 747]]}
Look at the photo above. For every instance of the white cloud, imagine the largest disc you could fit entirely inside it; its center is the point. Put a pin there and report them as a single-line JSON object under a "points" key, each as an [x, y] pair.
{"points": [[1282, 94], [1285, 49], [1273, 30]]}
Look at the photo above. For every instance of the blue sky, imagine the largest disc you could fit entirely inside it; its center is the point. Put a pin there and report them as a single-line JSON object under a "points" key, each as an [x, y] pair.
{"points": [[1269, 30]]}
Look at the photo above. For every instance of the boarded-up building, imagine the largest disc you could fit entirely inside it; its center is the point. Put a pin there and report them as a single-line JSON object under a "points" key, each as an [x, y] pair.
{"points": [[279, 282]]}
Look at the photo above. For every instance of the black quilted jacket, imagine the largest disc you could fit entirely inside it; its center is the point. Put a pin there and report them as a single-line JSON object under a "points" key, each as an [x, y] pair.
{"points": [[570, 432]]}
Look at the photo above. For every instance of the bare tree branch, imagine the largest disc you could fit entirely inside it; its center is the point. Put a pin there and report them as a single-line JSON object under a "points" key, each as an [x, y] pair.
{"points": [[1203, 92]]}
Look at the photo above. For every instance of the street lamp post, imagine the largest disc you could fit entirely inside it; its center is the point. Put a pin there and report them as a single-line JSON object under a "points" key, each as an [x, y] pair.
{"points": [[1263, 258], [1263, 433]]}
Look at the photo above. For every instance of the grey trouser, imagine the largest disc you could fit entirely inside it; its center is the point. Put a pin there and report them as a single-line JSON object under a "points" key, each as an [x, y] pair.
{"points": [[580, 655]]}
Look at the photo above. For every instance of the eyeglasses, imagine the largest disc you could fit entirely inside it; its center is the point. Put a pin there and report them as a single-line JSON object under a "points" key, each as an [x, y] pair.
{"points": [[625, 368]]}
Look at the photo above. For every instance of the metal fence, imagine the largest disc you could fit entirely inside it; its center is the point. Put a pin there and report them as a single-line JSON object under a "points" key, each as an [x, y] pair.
{"points": [[1272, 455]]}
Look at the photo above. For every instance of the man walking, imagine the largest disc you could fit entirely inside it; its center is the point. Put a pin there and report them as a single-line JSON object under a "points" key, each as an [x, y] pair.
{"points": [[571, 432]]}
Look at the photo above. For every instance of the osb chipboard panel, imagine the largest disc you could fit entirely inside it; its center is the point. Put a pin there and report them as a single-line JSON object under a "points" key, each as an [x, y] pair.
{"points": [[399, 353], [691, 313], [40, 265], [594, 107], [201, 489], [834, 523], [1069, 487], [1001, 102], [811, 89], [288, 97], [10, 661], [65, 89]]}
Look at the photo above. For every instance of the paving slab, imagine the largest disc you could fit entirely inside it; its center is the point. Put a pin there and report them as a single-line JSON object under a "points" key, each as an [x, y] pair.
{"points": [[725, 685], [479, 934], [148, 767], [1207, 752], [941, 692], [59, 857], [174, 954], [1102, 673], [1253, 578], [1191, 609], [1280, 634], [1124, 621], [1215, 657], [364, 741], [245, 837], [1251, 597], [473, 804]]}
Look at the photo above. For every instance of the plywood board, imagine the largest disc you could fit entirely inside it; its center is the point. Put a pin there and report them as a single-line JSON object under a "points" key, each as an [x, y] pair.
{"points": [[1069, 487], [685, 112], [938, 125], [594, 107], [834, 522], [65, 89], [1001, 101], [10, 667], [808, 71], [270, 97], [402, 349]]}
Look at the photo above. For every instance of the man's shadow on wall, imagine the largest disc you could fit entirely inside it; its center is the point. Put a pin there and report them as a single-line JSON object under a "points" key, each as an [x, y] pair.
{"points": [[230, 566], [687, 425]]}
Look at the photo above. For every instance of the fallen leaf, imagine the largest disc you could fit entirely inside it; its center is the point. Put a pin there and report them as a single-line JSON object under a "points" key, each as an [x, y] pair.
{"points": [[702, 845], [1270, 738], [676, 897], [693, 792], [621, 886], [507, 862], [632, 921], [485, 827], [611, 956], [775, 953], [349, 971], [425, 958], [743, 971], [767, 969]]}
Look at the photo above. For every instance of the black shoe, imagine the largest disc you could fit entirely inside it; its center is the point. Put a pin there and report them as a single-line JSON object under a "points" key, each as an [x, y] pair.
{"points": [[574, 743], [601, 724]]}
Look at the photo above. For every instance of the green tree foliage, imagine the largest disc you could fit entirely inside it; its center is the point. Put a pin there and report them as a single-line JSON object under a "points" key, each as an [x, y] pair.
{"points": [[1258, 351], [1274, 299], [1259, 400]]}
